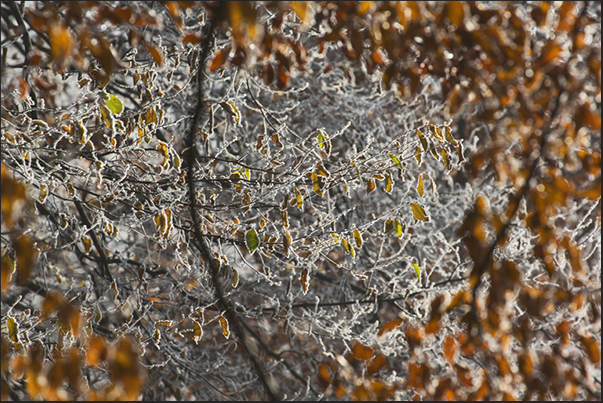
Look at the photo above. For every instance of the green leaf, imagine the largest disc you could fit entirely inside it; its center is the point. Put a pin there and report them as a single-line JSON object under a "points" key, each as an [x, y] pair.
{"points": [[113, 103], [418, 270], [396, 160], [321, 138], [251, 240]]}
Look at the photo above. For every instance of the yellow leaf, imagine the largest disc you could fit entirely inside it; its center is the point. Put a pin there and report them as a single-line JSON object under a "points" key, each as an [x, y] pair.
{"points": [[449, 134], [197, 331], [321, 170], [299, 199], [357, 237], [389, 183], [420, 187], [13, 329], [43, 193], [87, 244], [418, 212], [285, 220], [418, 154], [388, 225], [417, 270], [423, 140], [370, 185], [445, 159], [224, 326], [317, 188], [398, 227]]}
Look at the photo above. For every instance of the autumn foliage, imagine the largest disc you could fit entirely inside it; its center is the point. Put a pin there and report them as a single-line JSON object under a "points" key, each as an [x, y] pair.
{"points": [[301, 200]]}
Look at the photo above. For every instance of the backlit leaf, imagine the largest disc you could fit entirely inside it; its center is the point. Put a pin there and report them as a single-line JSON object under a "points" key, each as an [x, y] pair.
{"points": [[417, 270], [398, 227], [418, 212], [251, 240], [396, 160], [113, 103]]}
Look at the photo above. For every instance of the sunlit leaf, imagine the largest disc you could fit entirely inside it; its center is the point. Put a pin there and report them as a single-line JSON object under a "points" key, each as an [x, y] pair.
{"points": [[389, 183], [396, 160], [398, 227], [251, 240], [113, 103], [87, 244], [417, 270], [224, 326], [357, 237], [418, 212], [349, 248], [420, 186]]}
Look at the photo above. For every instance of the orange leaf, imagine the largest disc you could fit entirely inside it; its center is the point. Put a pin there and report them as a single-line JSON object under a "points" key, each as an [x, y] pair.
{"points": [[219, 59], [155, 54]]}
